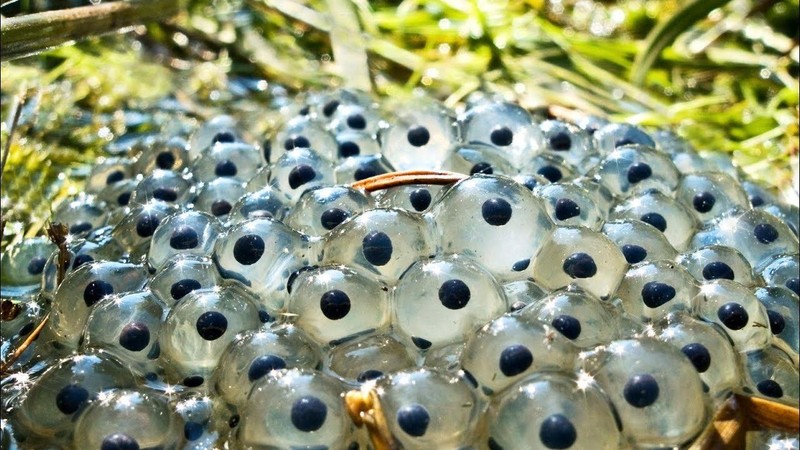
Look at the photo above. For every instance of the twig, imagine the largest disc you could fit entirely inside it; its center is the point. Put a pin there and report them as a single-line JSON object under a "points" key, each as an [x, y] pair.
{"points": [[33, 33], [24, 346], [394, 179]]}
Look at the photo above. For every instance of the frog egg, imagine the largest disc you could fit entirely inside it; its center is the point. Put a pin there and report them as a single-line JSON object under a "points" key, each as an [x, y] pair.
{"points": [[454, 289], [511, 347], [164, 185], [478, 158], [303, 132], [355, 118], [420, 136], [708, 195], [447, 359], [262, 253], [505, 126], [757, 235], [117, 198], [188, 233], [62, 392], [520, 293], [199, 328], [551, 167], [718, 262], [85, 287], [599, 193], [782, 310], [552, 411], [568, 142], [295, 409], [737, 310], [299, 170], [126, 326], [663, 213], [205, 419], [107, 172], [783, 271], [82, 215], [220, 128], [379, 242], [81, 251], [171, 154], [771, 373], [577, 315], [494, 209], [257, 353], [368, 358], [181, 275], [259, 180], [611, 136], [568, 204], [234, 160], [216, 197], [266, 202], [639, 241], [414, 198], [325, 105], [632, 169], [356, 143], [333, 304], [531, 181], [652, 290], [787, 214], [667, 141], [357, 168], [128, 419], [23, 265], [758, 195], [720, 162], [657, 407], [323, 209], [582, 257], [425, 408], [136, 229]]}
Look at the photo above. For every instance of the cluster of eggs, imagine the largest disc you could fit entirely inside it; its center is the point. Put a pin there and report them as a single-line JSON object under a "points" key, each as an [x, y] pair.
{"points": [[586, 285]]}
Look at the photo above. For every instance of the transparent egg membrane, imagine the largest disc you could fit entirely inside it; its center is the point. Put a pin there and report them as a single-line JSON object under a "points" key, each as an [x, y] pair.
{"points": [[587, 285]]}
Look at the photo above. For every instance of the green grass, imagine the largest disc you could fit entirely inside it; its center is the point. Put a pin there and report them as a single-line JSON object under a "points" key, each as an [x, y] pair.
{"points": [[726, 81]]}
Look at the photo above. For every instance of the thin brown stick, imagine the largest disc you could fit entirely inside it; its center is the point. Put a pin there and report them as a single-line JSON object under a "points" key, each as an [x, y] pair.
{"points": [[24, 346], [33, 33], [394, 179]]}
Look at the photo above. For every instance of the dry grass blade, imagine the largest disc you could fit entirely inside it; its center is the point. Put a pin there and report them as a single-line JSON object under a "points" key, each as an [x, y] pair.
{"points": [[33, 33]]}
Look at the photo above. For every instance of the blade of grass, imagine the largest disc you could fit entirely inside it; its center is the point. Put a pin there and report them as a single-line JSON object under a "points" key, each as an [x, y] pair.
{"points": [[349, 52], [665, 33]]}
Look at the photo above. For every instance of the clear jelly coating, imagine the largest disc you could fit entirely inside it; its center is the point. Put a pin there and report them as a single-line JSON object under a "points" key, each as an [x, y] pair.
{"points": [[199, 329], [553, 411], [187, 233], [708, 349], [656, 407], [455, 290], [333, 304], [738, 311], [652, 290], [505, 126], [425, 408], [512, 346], [128, 418], [511, 222], [717, 262], [639, 241], [369, 358], [581, 257], [295, 408], [632, 169], [257, 353], [321, 210]]}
